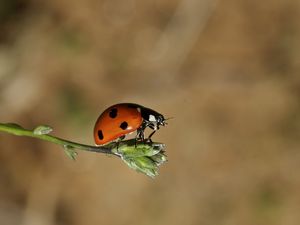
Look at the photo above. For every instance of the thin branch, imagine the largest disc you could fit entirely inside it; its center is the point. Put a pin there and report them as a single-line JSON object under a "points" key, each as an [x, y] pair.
{"points": [[15, 129], [144, 157]]}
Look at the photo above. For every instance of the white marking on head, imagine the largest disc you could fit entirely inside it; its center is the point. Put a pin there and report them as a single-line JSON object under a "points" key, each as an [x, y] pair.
{"points": [[152, 118], [138, 109]]}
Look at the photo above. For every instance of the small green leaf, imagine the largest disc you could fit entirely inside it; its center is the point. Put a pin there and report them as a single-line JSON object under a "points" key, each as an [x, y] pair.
{"points": [[141, 156], [70, 152], [139, 149], [159, 158], [42, 129], [142, 164]]}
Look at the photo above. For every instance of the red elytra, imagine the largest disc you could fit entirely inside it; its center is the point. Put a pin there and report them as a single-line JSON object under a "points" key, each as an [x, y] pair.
{"points": [[124, 118]]}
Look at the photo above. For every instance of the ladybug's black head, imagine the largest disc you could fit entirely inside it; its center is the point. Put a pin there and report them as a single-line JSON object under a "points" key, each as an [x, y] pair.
{"points": [[160, 119], [152, 118]]}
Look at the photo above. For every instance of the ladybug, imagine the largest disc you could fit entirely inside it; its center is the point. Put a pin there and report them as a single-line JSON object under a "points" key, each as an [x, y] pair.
{"points": [[121, 119]]}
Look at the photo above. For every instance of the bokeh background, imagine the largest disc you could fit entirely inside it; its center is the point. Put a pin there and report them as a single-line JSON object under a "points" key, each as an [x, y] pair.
{"points": [[227, 71]]}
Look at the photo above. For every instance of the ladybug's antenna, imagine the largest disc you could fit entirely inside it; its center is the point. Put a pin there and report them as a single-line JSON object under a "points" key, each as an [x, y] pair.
{"points": [[167, 119]]}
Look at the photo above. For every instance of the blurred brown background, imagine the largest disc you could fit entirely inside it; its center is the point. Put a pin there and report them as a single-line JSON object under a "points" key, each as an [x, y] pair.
{"points": [[227, 71]]}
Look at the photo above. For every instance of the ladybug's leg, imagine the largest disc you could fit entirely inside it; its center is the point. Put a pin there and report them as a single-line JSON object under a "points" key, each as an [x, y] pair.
{"points": [[119, 140], [149, 138], [140, 131], [155, 128], [139, 135]]}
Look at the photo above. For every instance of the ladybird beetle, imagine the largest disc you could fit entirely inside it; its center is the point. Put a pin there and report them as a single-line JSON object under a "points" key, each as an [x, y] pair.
{"points": [[121, 119]]}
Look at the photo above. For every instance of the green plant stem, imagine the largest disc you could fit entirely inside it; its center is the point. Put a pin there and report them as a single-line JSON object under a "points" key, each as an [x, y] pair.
{"points": [[19, 131], [144, 157]]}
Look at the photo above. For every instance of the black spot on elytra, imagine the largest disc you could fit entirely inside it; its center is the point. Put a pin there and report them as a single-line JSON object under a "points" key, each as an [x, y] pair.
{"points": [[113, 113], [124, 125], [100, 134]]}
